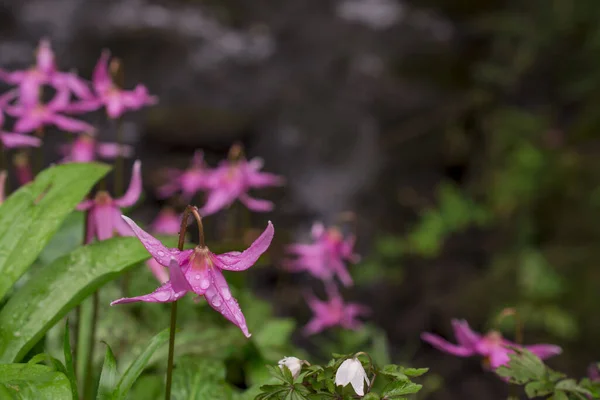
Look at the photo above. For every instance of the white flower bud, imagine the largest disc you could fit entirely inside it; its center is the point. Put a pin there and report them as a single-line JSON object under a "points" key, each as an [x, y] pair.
{"points": [[352, 371], [294, 365]]}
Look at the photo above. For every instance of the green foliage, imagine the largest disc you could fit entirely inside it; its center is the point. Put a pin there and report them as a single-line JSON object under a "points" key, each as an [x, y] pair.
{"points": [[30, 216], [33, 381], [527, 370], [318, 381], [69, 365], [59, 287]]}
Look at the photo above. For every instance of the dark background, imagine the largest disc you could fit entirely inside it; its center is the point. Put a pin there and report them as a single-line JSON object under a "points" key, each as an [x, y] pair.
{"points": [[463, 134]]}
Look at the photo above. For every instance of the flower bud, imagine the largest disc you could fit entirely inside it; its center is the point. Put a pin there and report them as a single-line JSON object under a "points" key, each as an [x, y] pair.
{"points": [[351, 371], [293, 364]]}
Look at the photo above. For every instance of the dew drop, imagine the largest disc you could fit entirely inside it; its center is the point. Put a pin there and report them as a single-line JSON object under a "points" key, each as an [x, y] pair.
{"points": [[239, 317], [161, 253], [162, 296], [205, 284], [197, 277], [215, 301]]}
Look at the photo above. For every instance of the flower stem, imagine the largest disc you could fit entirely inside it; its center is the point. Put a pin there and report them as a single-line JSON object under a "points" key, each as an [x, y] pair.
{"points": [[91, 344], [194, 211], [171, 350]]}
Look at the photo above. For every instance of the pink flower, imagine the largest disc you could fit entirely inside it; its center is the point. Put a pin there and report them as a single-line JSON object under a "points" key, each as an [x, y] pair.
{"points": [[231, 180], [168, 222], [492, 346], [594, 372], [199, 271], [190, 181], [159, 272], [85, 149], [104, 212], [325, 257], [22, 168], [333, 312], [109, 95], [34, 115], [44, 72]]}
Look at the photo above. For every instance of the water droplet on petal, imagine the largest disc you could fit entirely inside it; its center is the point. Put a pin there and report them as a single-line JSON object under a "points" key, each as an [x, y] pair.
{"points": [[205, 284], [215, 301], [162, 296], [161, 253], [239, 317], [226, 293], [197, 277]]}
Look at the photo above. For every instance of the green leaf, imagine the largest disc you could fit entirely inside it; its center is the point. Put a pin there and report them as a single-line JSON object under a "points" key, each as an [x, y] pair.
{"points": [[538, 388], [108, 376], [69, 367], [138, 365], [31, 216], [569, 385], [396, 389], [199, 379], [59, 287], [523, 367], [33, 381]]}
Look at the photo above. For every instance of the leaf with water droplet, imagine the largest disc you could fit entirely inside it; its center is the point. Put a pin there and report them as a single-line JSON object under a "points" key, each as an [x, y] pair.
{"points": [[27, 224], [59, 287]]}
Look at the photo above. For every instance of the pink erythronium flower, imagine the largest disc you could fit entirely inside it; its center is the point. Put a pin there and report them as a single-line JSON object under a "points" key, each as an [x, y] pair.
{"points": [[199, 271], [22, 168], [108, 94], [189, 182], [492, 346], [85, 149], [333, 312], [167, 222], [104, 212], [34, 115], [233, 178], [325, 257], [44, 72]]}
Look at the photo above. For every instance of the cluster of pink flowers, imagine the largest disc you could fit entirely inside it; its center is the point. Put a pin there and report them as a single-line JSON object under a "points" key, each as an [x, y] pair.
{"points": [[229, 181]]}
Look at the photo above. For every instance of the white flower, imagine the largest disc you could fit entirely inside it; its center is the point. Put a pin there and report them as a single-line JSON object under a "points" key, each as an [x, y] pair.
{"points": [[294, 365], [352, 371]]}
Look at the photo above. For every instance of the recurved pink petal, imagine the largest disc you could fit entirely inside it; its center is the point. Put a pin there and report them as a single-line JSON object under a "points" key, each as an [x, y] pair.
{"points": [[119, 225], [217, 200], [83, 106], [114, 105], [45, 57], [340, 269], [156, 249], [14, 140], [60, 100], [70, 124], [164, 294], [464, 335], [314, 326], [256, 204], [445, 346], [28, 123], [264, 179], [498, 357], [544, 351], [236, 261], [100, 77], [219, 297], [85, 205], [29, 91], [135, 187], [90, 229]]}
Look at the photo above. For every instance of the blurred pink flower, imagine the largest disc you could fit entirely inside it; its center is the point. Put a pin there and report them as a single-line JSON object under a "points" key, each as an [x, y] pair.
{"points": [[34, 115], [108, 94], [104, 212], [325, 257], [160, 273], [333, 312], [199, 271], [44, 72], [167, 222], [85, 149], [232, 179], [492, 346], [189, 182], [594, 372]]}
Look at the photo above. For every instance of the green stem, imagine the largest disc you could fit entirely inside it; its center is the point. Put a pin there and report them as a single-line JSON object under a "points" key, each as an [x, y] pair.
{"points": [[86, 310], [91, 344], [171, 349]]}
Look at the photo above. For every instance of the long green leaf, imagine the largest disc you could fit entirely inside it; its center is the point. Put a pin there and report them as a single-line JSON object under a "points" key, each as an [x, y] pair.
{"points": [[69, 367], [138, 365], [108, 377], [31, 381], [59, 287], [30, 216]]}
